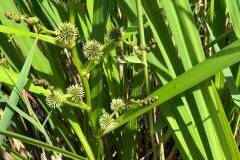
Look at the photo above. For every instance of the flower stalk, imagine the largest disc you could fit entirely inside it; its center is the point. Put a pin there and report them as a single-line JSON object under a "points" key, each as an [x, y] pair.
{"points": [[85, 82]]}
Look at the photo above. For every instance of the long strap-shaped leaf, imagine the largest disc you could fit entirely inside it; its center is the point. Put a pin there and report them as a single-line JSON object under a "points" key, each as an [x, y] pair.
{"points": [[201, 100], [14, 97], [41, 144], [226, 57], [228, 76], [234, 11], [20, 32], [184, 132]]}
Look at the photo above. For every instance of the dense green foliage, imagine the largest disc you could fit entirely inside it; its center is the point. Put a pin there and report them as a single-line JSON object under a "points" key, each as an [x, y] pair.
{"points": [[120, 79]]}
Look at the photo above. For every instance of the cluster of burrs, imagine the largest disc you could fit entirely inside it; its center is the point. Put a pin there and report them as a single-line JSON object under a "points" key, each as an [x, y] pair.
{"points": [[42, 83], [74, 93], [18, 18], [148, 48], [93, 50], [144, 102], [106, 120], [115, 34], [67, 33]]}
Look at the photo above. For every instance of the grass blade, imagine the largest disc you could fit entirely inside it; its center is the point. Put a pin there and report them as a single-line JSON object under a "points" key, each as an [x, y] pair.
{"points": [[14, 97], [41, 144]]}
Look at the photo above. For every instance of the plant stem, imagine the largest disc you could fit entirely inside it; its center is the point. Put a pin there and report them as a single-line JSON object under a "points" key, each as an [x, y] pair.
{"points": [[85, 82], [44, 29], [147, 84]]}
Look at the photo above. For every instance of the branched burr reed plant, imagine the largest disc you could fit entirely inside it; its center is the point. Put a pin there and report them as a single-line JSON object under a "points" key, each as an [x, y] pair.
{"points": [[119, 79]]}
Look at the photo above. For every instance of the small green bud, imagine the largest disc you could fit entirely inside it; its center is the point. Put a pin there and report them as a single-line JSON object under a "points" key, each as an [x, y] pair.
{"points": [[132, 44], [149, 100], [141, 101], [137, 50], [9, 14], [41, 82], [4, 62], [141, 47], [51, 88], [156, 98], [153, 41], [17, 18], [35, 82], [145, 102], [32, 20], [153, 46], [148, 49], [46, 83]]}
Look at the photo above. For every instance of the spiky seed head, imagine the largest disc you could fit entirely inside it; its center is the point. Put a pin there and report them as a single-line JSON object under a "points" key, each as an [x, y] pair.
{"points": [[61, 2], [67, 33], [117, 105], [115, 34], [106, 121], [54, 100], [93, 50], [76, 91]]}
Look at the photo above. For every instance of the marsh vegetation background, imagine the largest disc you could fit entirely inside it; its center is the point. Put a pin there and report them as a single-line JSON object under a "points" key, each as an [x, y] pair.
{"points": [[119, 79]]}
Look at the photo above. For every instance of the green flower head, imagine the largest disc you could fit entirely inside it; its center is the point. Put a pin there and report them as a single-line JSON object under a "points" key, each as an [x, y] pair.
{"points": [[66, 33], [117, 105], [115, 34], [54, 100], [76, 91], [106, 121], [93, 50]]}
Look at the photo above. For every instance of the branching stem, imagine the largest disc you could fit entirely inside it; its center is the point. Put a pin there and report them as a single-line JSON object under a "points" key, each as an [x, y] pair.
{"points": [[85, 82]]}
